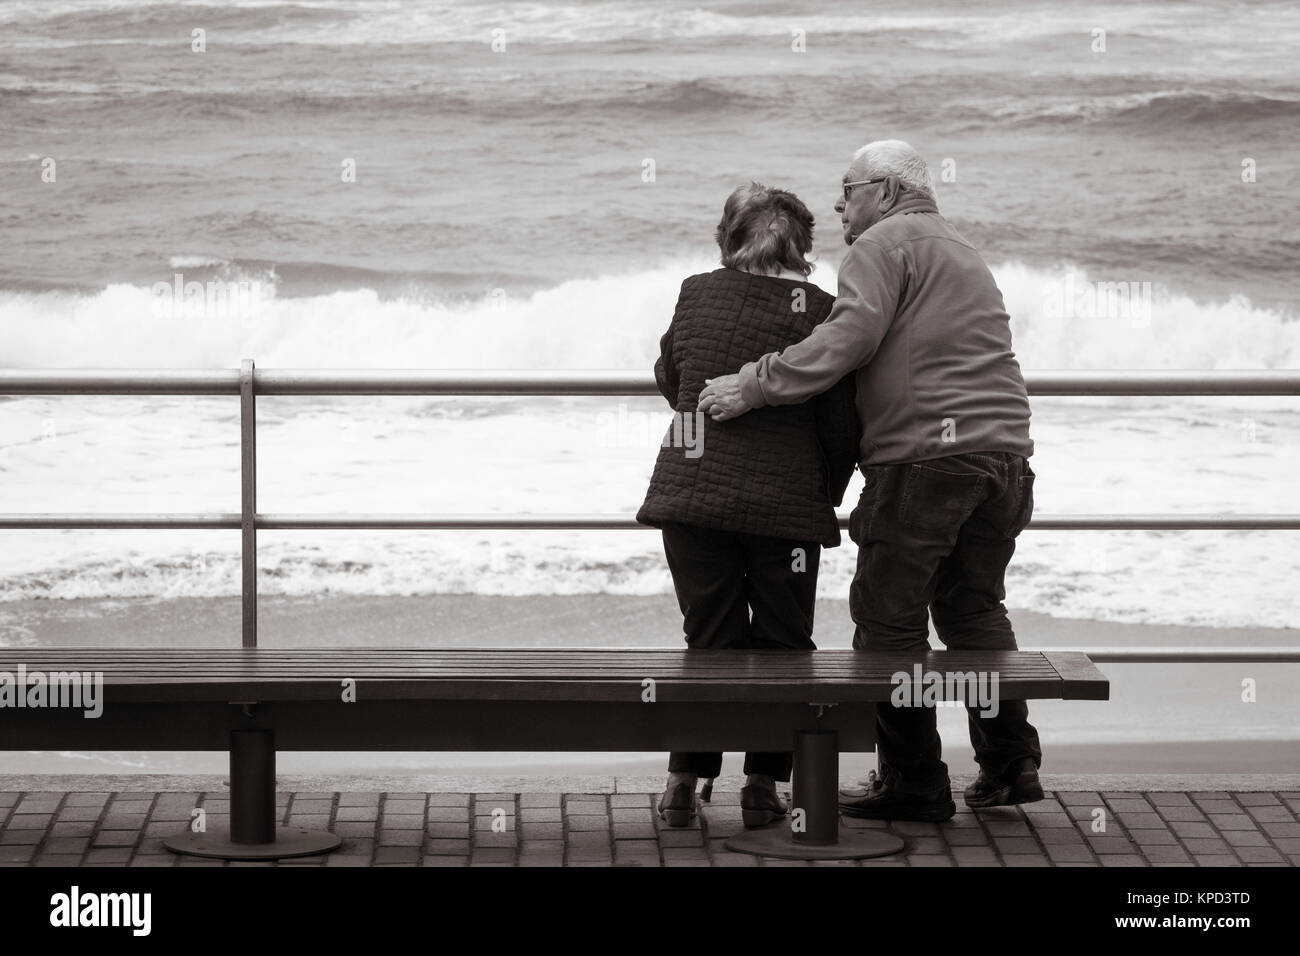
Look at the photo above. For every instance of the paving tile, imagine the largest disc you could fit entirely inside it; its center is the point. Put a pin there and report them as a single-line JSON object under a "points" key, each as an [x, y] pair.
{"points": [[1078, 799], [491, 839], [1130, 804], [629, 800], [587, 854], [116, 837], [1142, 821], [446, 847], [634, 831], [1232, 821], [109, 855], [491, 854], [1180, 814], [355, 829], [574, 806], [448, 800], [1110, 844], [1015, 845], [1261, 799], [80, 814], [397, 854], [587, 839], [1218, 806], [362, 799], [1051, 820], [587, 823], [1199, 846], [1165, 854], [1193, 830], [1259, 854], [458, 831], [1271, 814], [974, 855], [547, 831], [1060, 853], [402, 821], [85, 799], [1279, 830], [914, 828], [1007, 828], [448, 814]]}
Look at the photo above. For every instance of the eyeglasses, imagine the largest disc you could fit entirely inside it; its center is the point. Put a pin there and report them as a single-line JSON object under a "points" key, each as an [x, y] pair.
{"points": [[848, 187]]}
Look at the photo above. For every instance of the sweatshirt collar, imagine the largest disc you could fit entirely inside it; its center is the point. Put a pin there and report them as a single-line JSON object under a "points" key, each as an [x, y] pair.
{"points": [[911, 204]]}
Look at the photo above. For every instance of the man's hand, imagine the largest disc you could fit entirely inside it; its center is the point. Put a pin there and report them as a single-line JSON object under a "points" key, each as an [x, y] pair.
{"points": [[721, 398]]}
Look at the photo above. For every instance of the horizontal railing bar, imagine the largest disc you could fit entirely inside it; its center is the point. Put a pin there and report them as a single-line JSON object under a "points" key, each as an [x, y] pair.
{"points": [[1183, 655], [575, 522], [570, 382], [58, 381], [119, 521]]}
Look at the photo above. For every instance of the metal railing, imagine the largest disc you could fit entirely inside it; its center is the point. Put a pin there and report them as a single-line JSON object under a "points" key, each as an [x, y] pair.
{"points": [[248, 382]]}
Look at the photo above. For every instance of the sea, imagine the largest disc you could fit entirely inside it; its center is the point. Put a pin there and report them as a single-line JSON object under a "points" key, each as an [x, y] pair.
{"points": [[466, 185]]}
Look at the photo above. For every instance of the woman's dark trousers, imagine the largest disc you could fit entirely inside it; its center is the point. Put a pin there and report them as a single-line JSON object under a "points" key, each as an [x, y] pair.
{"points": [[719, 577]]}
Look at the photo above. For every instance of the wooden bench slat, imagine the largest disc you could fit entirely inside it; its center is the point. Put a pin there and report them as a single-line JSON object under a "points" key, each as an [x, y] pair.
{"points": [[608, 674]]}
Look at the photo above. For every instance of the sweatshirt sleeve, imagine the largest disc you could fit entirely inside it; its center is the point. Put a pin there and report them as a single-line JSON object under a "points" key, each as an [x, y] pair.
{"points": [[870, 283], [838, 432]]}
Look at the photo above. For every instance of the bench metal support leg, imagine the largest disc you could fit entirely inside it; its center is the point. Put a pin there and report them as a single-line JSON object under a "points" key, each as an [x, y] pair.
{"points": [[253, 834], [814, 833]]}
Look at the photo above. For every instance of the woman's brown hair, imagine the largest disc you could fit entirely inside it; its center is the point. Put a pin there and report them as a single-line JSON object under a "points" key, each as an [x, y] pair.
{"points": [[764, 230]]}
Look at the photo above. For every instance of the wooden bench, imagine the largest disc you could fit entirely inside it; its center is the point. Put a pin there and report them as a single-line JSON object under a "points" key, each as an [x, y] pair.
{"points": [[252, 701]]}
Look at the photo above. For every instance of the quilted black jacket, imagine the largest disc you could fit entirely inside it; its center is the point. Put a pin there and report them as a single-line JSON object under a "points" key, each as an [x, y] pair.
{"points": [[776, 471]]}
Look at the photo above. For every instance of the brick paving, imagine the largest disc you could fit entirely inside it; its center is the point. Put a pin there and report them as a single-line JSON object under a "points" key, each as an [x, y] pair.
{"points": [[1262, 828]]}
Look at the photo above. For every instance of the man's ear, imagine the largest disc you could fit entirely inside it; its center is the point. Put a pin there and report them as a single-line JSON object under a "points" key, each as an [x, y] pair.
{"points": [[889, 195]]}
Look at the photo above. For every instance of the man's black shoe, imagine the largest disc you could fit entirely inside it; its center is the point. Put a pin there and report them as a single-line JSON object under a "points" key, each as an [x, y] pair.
{"points": [[1017, 784], [881, 799]]}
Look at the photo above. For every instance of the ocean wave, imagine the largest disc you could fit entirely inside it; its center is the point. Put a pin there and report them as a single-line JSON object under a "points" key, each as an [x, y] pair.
{"points": [[429, 320], [1154, 111], [363, 21]]}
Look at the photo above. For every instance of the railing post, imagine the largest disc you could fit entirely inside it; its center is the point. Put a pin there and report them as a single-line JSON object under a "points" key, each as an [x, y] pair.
{"points": [[248, 499]]}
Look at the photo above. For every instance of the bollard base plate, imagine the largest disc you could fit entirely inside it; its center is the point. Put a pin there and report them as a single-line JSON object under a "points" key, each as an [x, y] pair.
{"points": [[777, 841], [289, 842]]}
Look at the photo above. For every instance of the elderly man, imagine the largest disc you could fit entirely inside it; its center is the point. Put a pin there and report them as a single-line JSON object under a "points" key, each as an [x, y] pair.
{"points": [[945, 438]]}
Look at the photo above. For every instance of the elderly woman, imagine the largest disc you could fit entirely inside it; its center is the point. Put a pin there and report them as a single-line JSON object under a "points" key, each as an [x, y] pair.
{"points": [[746, 509]]}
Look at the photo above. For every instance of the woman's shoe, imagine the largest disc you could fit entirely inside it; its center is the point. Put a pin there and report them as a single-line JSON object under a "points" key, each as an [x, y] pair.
{"points": [[677, 805], [760, 806]]}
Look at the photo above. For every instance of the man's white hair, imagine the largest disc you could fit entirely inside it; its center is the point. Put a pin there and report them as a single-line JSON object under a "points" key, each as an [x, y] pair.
{"points": [[893, 157]]}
